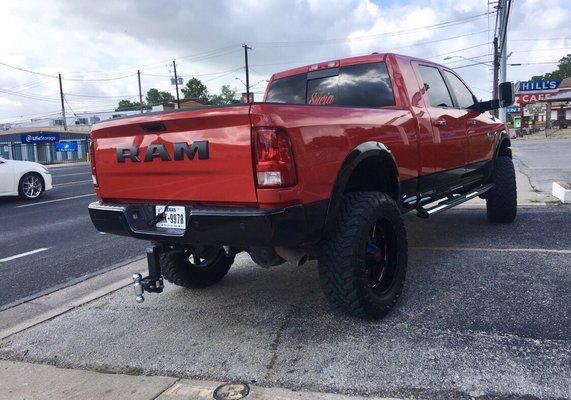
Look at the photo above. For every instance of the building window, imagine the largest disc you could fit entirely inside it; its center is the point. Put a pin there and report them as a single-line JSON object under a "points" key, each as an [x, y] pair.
{"points": [[81, 121], [58, 122]]}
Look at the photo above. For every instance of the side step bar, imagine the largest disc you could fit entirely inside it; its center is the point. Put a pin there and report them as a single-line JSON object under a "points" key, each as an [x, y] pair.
{"points": [[452, 202]]}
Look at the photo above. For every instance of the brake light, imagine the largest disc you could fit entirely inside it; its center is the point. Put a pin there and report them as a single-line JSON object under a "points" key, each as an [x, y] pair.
{"points": [[324, 65], [92, 159], [274, 163]]}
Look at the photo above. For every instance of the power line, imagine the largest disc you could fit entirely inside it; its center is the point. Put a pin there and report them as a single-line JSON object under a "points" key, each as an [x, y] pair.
{"points": [[27, 70], [368, 37], [100, 80]]}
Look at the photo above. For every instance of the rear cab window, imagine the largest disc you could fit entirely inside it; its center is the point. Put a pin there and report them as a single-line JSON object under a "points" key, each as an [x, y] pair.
{"points": [[359, 85]]}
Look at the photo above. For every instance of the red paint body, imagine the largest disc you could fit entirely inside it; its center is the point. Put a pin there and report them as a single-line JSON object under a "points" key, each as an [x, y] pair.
{"points": [[322, 136]]}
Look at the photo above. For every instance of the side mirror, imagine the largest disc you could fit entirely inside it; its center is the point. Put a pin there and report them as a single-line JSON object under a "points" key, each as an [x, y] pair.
{"points": [[483, 106], [507, 97], [507, 94]]}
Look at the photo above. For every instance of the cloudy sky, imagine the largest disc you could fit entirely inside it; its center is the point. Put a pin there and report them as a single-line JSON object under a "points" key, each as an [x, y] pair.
{"points": [[97, 46]]}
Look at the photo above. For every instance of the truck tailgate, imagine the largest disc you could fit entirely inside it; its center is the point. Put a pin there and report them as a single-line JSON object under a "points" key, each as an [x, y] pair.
{"points": [[222, 174]]}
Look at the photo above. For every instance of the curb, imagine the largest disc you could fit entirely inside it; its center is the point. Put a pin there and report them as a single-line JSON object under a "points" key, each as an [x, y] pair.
{"points": [[40, 309], [40, 381]]}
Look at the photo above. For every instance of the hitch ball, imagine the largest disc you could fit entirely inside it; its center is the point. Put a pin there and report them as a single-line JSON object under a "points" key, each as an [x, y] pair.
{"points": [[138, 288]]}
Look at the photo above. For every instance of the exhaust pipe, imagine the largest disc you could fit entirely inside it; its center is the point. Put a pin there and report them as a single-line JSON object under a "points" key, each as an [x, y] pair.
{"points": [[293, 256]]}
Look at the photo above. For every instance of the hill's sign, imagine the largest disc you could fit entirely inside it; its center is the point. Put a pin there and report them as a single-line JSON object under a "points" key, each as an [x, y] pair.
{"points": [[537, 86]]}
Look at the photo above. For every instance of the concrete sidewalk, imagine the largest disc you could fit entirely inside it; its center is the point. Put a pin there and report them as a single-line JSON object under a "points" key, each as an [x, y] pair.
{"points": [[28, 381]]}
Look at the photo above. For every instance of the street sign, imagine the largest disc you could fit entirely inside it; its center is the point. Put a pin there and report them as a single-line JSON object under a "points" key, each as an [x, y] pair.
{"points": [[531, 98], [66, 146], [173, 81], [245, 99], [513, 110], [537, 86], [39, 137]]}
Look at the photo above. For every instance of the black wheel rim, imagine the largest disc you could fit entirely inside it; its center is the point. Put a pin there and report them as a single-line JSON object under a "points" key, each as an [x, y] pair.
{"points": [[204, 257], [380, 267]]}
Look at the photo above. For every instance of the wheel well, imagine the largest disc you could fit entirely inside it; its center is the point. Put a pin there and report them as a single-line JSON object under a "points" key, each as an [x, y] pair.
{"points": [[504, 149], [33, 173], [374, 174]]}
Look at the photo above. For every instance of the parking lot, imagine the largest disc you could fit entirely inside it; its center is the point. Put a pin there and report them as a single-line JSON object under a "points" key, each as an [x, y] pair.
{"points": [[484, 313], [485, 310]]}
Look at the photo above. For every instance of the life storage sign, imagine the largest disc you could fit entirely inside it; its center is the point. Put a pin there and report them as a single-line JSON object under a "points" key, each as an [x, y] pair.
{"points": [[537, 86]]}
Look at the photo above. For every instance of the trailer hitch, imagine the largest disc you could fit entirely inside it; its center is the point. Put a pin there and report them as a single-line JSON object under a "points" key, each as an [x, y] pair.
{"points": [[154, 282]]}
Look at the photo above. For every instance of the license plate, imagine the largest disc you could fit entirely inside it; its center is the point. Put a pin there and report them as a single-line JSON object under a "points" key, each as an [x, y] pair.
{"points": [[175, 217]]}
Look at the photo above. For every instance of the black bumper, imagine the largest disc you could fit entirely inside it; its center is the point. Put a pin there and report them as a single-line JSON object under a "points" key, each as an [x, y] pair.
{"points": [[289, 226]]}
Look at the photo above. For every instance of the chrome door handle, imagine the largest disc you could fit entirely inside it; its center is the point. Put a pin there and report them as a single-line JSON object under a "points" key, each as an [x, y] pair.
{"points": [[472, 122], [491, 136], [440, 123]]}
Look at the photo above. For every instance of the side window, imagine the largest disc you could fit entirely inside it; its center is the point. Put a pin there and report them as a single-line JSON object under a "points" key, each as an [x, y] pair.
{"points": [[438, 95], [464, 97]]}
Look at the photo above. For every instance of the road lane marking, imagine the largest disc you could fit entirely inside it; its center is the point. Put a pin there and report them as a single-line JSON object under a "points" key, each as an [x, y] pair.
{"points": [[28, 253], [56, 200], [77, 173], [72, 183], [482, 249]]}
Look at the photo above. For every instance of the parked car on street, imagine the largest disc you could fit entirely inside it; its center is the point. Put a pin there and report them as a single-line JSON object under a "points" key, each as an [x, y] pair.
{"points": [[322, 169], [26, 179]]}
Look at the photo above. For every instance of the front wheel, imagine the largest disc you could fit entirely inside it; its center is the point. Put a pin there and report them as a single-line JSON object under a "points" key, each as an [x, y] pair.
{"points": [[501, 201], [197, 268], [31, 186], [362, 266]]}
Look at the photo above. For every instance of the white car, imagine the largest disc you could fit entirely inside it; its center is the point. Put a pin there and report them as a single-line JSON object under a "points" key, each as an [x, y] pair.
{"points": [[23, 178]]}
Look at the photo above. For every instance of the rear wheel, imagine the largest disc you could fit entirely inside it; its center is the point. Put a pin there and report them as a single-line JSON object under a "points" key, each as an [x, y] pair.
{"points": [[31, 186], [501, 201], [197, 268], [362, 266]]}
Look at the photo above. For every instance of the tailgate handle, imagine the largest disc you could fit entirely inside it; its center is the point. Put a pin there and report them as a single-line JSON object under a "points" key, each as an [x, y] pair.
{"points": [[153, 127]]}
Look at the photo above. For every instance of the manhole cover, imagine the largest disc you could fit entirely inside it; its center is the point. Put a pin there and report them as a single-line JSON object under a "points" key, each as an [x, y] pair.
{"points": [[231, 391]]}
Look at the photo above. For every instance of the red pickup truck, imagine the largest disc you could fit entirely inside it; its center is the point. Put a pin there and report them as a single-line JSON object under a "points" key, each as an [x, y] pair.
{"points": [[322, 169]]}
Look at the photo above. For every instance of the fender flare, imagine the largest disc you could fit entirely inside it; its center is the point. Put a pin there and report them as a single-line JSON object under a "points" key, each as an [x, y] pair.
{"points": [[352, 160], [502, 137]]}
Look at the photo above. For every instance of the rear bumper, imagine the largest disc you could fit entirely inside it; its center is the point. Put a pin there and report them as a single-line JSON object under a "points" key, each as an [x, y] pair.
{"points": [[288, 226]]}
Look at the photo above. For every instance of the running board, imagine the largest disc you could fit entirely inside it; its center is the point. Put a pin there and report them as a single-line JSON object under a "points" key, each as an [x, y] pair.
{"points": [[452, 202]]}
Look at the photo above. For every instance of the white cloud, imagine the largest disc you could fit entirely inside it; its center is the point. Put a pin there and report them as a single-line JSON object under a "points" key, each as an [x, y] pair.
{"points": [[106, 39]]}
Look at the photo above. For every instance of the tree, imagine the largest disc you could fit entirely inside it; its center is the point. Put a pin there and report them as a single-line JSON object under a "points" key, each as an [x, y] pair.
{"points": [[226, 96], [156, 97], [127, 105], [563, 71], [196, 90]]}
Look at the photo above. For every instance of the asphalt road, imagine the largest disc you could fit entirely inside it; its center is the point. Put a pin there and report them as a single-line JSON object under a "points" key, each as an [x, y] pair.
{"points": [[484, 314], [58, 222], [544, 161]]}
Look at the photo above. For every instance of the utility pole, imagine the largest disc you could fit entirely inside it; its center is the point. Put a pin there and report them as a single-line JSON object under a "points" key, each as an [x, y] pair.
{"points": [[140, 93], [496, 72], [246, 48], [503, 10], [62, 103], [176, 84]]}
